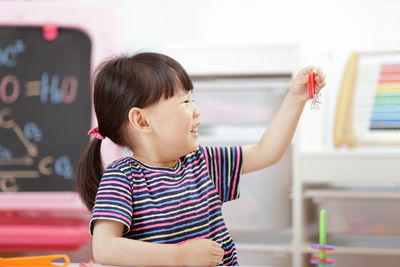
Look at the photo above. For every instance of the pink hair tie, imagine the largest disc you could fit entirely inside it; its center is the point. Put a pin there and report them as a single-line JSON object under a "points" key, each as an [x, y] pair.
{"points": [[95, 132]]}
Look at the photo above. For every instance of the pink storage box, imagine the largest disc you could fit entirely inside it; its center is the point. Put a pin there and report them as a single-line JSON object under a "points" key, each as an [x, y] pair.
{"points": [[22, 233], [44, 221]]}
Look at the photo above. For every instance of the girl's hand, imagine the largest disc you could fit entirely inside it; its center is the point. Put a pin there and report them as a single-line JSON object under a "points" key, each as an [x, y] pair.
{"points": [[299, 85], [202, 252]]}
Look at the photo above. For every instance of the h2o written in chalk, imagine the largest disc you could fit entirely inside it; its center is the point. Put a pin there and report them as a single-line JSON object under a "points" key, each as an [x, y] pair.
{"points": [[50, 89]]}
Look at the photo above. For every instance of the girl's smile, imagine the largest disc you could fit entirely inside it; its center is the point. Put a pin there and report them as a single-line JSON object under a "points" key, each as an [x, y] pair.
{"points": [[195, 130]]}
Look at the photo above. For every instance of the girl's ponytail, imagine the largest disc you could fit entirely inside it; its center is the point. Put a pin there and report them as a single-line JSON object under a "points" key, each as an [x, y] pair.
{"points": [[89, 172]]}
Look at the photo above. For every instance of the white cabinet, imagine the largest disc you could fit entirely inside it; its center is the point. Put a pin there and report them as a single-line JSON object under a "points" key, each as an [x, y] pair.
{"points": [[359, 188]]}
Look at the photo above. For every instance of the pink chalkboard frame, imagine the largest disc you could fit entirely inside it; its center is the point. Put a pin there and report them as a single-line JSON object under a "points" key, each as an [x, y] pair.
{"points": [[100, 23]]}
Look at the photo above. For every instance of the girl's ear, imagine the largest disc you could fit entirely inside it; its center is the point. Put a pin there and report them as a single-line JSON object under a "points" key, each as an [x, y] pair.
{"points": [[138, 120]]}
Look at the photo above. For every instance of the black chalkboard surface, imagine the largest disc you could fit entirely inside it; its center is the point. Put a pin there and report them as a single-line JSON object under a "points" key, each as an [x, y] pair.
{"points": [[45, 107]]}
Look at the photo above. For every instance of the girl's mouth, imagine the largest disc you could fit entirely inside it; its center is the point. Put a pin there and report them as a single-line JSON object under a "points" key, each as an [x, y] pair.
{"points": [[195, 129]]}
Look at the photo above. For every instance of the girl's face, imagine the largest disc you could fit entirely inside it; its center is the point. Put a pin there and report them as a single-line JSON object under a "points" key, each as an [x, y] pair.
{"points": [[175, 121]]}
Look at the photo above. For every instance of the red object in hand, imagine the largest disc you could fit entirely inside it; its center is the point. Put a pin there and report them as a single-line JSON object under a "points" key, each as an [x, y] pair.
{"points": [[311, 84]]}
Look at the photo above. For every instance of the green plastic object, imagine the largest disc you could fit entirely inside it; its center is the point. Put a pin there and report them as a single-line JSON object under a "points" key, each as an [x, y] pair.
{"points": [[322, 234]]}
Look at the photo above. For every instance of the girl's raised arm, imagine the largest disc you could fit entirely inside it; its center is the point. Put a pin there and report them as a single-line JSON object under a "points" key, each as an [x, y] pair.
{"points": [[277, 138]]}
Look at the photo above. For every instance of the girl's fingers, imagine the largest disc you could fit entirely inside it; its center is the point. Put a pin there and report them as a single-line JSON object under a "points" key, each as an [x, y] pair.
{"points": [[215, 244], [218, 252], [320, 79], [307, 69], [217, 249], [216, 260], [302, 76], [321, 76], [320, 86]]}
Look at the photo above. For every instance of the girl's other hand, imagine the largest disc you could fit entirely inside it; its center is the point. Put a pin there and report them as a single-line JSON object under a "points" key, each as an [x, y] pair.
{"points": [[299, 85], [201, 252]]}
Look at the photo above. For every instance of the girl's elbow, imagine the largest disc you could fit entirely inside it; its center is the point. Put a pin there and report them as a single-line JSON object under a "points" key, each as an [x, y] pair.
{"points": [[100, 254], [103, 259], [275, 160], [271, 161], [97, 256]]}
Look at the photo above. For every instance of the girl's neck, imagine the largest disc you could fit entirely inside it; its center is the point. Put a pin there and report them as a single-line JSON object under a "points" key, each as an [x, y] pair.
{"points": [[156, 163]]}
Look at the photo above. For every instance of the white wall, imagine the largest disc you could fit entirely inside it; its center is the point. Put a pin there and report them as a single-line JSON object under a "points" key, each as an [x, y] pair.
{"points": [[326, 31]]}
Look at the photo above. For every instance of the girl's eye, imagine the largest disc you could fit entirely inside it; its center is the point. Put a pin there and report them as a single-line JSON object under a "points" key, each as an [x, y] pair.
{"points": [[188, 101]]}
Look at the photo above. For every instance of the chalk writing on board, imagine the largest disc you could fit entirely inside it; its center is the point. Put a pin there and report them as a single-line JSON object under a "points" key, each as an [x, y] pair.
{"points": [[9, 53], [62, 165], [48, 89], [44, 107], [32, 132]]}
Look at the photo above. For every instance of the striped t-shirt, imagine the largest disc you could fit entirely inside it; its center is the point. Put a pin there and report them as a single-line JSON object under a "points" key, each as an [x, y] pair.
{"points": [[173, 205]]}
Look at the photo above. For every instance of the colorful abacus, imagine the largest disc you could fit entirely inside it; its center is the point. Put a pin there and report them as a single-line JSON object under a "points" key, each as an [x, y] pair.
{"points": [[322, 246]]}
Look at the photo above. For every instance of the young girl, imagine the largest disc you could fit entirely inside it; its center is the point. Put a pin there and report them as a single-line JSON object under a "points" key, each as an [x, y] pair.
{"points": [[163, 205]]}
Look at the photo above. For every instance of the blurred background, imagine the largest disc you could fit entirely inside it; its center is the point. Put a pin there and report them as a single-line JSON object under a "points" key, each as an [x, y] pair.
{"points": [[241, 56]]}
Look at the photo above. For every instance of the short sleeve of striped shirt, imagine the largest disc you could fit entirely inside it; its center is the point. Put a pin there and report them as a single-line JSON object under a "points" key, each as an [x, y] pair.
{"points": [[114, 197], [224, 166]]}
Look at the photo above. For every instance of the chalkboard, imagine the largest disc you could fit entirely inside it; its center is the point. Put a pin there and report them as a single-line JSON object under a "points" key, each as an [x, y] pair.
{"points": [[45, 107]]}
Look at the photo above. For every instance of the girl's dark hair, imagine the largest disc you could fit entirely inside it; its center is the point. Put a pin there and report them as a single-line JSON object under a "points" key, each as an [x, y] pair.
{"points": [[121, 84]]}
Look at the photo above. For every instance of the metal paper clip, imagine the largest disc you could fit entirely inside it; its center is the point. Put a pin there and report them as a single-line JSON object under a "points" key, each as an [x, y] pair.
{"points": [[311, 91], [316, 102]]}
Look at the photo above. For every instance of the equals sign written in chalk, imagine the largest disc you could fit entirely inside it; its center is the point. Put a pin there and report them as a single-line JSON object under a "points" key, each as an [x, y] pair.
{"points": [[33, 88]]}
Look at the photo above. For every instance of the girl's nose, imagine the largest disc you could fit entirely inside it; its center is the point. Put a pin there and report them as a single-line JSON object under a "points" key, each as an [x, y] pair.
{"points": [[196, 111]]}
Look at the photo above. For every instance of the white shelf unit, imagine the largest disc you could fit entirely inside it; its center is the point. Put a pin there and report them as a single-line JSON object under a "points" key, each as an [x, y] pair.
{"points": [[350, 177]]}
